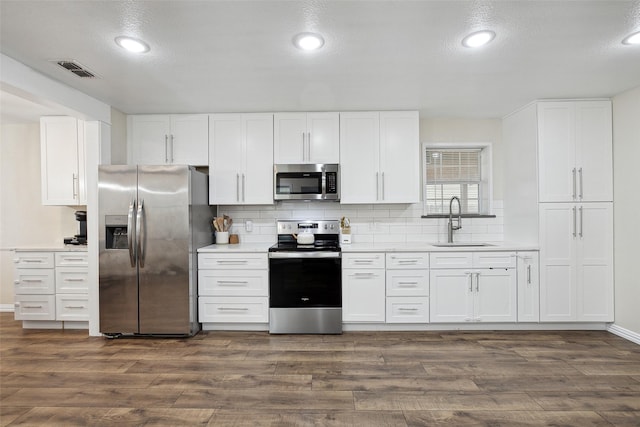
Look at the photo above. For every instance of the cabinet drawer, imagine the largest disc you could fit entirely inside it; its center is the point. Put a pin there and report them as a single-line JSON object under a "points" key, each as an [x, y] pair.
{"points": [[72, 307], [72, 280], [33, 260], [407, 283], [35, 307], [33, 281], [363, 260], [407, 310], [240, 261], [451, 260], [494, 260], [233, 309], [71, 259], [233, 283], [408, 260]]}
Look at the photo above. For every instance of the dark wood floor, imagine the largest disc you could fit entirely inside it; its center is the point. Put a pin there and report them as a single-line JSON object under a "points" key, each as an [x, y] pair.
{"points": [[359, 378]]}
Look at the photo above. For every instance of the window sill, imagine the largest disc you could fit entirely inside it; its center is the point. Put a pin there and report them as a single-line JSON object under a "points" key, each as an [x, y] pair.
{"points": [[456, 215]]}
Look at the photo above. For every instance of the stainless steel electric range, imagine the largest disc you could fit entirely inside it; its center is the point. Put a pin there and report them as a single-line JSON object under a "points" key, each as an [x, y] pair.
{"points": [[305, 280]]}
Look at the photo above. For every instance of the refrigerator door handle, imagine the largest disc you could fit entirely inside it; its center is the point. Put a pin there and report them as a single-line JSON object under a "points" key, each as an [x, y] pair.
{"points": [[141, 234], [131, 231]]}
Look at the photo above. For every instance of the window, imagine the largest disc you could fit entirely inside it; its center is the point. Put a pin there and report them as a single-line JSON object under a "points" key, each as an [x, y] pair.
{"points": [[456, 171]]}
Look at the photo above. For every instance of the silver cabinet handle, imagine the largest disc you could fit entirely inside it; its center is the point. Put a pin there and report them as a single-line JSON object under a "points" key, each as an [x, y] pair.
{"points": [[529, 274], [407, 284], [573, 171], [71, 279], [407, 309], [363, 261], [31, 306], [581, 191], [363, 275], [574, 221], [233, 309], [32, 280], [377, 186], [232, 283], [166, 148], [172, 150], [477, 282], [73, 259], [75, 306], [231, 261], [237, 187], [131, 231], [243, 179], [470, 275], [309, 146], [75, 182], [581, 221], [303, 148], [383, 186]]}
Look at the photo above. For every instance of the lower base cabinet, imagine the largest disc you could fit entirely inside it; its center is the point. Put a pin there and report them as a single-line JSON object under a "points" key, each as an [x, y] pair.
{"points": [[363, 287], [407, 310], [233, 309]]}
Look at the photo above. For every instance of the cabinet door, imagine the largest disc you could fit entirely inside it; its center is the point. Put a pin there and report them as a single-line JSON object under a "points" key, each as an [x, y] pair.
{"points": [[189, 139], [595, 262], [528, 287], [556, 152], [495, 295], [594, 151], [323, 138], [148, 139], [359, 157], [399, 157], [450, 296], [257, 176], [225, 159], [363, 295], [82, 165], [290, 137], [59, 161], [558, 231]]}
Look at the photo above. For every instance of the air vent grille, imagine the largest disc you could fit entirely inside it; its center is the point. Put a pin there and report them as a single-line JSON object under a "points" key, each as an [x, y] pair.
{"points": [[75, 68]]}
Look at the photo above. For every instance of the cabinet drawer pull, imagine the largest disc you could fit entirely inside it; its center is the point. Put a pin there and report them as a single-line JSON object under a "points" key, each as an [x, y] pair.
{"points": [[231, 261], [407, 284], [31, 306], [232, 283], [363, 261], [39, 261], [573, 172], [74, 306], [73, 259], [529, 274], [363, 275], [407, 309], [32, 280], [581, 191], [233, 309], [71, 279]]}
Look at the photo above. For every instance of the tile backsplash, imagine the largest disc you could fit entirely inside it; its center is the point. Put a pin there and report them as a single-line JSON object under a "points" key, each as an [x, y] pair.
{"points": [[388, 223]]}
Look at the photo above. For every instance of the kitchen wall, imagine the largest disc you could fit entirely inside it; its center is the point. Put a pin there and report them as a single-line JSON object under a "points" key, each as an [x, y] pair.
{"points": [[118, 137], [626, 176], [398, 223], [24, 221]]}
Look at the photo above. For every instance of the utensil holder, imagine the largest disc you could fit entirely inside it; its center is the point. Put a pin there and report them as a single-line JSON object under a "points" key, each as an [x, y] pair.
{"points": [[222, 237]]}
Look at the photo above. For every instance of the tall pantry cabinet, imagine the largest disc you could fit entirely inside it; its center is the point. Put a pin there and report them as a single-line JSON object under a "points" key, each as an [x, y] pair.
{"points": [[567, 145]]}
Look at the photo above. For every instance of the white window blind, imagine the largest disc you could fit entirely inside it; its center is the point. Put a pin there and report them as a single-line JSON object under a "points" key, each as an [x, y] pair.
{"points": [[452, 172]]}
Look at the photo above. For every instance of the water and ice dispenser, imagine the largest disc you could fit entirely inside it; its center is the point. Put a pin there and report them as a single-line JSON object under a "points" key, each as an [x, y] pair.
{"points": [[116, 232]]}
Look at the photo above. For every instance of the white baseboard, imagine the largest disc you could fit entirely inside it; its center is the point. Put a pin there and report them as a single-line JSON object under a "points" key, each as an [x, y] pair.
{"points": [[8, 308], [624, 333]]}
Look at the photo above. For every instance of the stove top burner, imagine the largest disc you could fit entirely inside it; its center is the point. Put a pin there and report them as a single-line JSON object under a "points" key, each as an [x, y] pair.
{"points": [[326, 234]]}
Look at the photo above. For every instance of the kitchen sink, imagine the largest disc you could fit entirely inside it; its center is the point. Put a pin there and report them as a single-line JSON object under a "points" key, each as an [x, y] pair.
{"points": [[460, 244]]}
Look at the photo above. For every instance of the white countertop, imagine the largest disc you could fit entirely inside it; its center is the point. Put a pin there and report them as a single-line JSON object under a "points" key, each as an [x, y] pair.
{"points": [[52, 248], [239, 247]]}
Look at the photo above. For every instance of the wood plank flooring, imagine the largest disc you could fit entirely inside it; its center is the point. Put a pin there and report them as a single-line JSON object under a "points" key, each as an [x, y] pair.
{"points": [[66, 378]]}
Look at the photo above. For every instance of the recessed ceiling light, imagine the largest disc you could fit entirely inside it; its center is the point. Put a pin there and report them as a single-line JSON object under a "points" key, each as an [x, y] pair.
{"points": [[479, 38], [632, 39], [308, 41], [132, 45]]}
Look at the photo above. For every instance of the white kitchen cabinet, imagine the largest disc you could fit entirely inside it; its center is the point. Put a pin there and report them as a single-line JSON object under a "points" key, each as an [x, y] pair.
{"points": [[63, 163], [576, 262], [483, 289], [575, 151], [159, 139], [306, 138], [528, 278], [379, 157], [407, 287], [233, 288], [240, 159], [363, 287]]}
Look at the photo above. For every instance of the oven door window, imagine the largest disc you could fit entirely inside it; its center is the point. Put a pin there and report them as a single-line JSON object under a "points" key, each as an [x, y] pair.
{"points": [[305, 282], [299, 183]]}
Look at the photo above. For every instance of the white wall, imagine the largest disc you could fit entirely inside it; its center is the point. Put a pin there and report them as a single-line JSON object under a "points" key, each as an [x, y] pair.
{"points": [[24, 221], [626, 152], [118, 137]]}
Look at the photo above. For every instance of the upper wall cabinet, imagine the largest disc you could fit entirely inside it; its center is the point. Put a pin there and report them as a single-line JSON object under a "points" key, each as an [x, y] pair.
{"points": [[168, 139], [240, 159], [575, 151], [380, 157], [63, 163], [306, 138]]}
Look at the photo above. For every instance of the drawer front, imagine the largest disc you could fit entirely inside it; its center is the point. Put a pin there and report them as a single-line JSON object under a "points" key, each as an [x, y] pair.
{"points": [[363, 260], [240, 261], [72, 280], [451, 260], [233, 283], [72, 259], [72, 307], [33, 260], [34, 281], [35, 307], [494, 260], [407, 283], [233, 309], [407, 310], [408, 260]]}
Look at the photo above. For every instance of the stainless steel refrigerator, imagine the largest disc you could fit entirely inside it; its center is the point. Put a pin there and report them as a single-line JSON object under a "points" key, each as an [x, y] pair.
{"points": [[152, 221]]}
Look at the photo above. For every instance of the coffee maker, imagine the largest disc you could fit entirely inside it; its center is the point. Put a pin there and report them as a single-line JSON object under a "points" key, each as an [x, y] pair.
{"points": [[81, 237]]}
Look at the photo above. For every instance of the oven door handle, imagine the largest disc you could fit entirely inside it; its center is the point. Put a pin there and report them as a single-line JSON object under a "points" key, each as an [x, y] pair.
{"points": [[281, 255]]}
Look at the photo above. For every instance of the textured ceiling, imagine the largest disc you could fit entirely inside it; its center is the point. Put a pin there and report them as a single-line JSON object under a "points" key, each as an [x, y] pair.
{"points": [[231, 56]]}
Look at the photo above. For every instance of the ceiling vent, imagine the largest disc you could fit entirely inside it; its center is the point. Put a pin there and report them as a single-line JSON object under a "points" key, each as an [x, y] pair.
{"points": [[75, 68]]}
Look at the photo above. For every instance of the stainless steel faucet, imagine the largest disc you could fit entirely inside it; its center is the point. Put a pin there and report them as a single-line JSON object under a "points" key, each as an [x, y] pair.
{"points": [[458, 225]]}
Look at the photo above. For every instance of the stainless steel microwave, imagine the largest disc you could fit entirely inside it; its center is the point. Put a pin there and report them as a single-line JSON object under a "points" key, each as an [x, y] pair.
{"points": [[306, 182]]}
